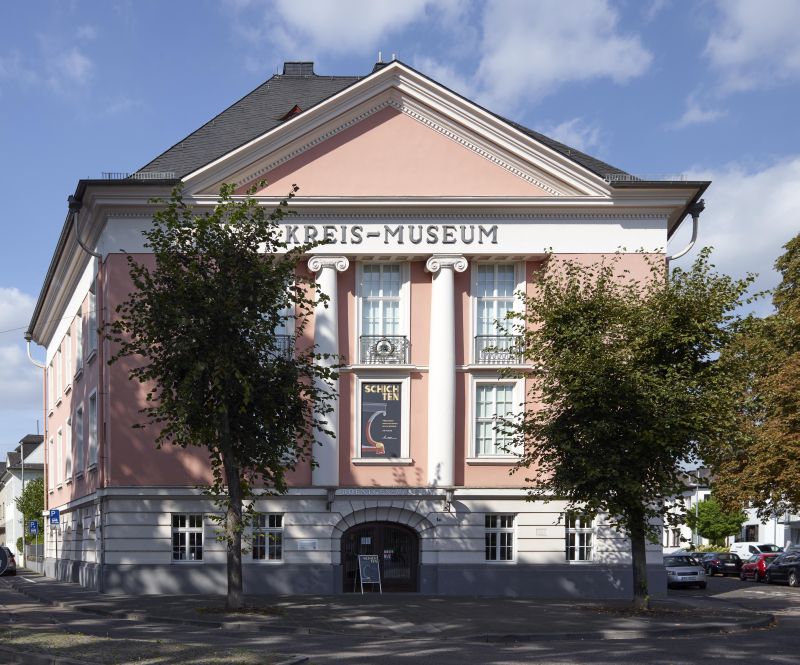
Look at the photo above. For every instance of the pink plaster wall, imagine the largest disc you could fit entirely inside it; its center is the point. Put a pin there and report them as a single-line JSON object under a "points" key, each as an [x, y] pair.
{"points": [[391, 154]]}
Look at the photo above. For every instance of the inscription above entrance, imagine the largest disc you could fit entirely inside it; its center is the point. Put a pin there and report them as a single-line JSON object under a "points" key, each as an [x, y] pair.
{"points": [[392, 234]]}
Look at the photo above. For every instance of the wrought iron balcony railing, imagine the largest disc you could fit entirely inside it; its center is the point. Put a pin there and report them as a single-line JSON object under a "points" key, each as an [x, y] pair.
{"points": [[498, 350], [383, 350], [284, 346]]}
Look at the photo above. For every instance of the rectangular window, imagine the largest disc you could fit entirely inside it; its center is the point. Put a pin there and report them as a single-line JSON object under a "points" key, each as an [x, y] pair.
{"points": [[68, 359], [79, 341], [499, 537], [50, 388], [580, 537], [68, 451], [51, 465], [57, 365], [187, 537], [676, 538], [78, 441], [92, 429], [268, 538], [495, 296], [92, 324], [492, 400], [380, 299], [57, 457]]}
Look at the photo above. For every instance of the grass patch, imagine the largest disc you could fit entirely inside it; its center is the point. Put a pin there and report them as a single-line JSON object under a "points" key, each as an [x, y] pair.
{"points": [[254, 610]]}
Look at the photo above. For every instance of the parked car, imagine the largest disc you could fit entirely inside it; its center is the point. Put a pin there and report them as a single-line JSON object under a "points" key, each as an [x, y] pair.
{"points": [[785, 568], [755, 567], [747, 548], [683, 570], [721, 563], [11, 568]]}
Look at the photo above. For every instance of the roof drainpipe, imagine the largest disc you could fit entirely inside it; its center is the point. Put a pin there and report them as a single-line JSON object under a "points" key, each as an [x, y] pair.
{"points": [[75, 209], [694, 211]]}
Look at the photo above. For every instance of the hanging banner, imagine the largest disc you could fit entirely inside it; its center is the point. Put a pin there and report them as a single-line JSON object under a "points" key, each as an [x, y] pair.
{"points": [[381, 404]]}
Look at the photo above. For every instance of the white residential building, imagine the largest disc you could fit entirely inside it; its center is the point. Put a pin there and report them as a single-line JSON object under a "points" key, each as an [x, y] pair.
{"points": [[22, 465]]}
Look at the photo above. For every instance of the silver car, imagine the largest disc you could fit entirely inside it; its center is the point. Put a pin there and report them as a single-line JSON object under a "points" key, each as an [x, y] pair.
{"points": [[684, 570]]}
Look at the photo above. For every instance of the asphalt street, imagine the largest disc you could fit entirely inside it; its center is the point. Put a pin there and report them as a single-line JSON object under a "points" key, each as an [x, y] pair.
{"points": [[779, 644]]}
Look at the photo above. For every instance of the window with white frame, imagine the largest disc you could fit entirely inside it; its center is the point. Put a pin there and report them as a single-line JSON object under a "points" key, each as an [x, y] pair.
{"points": [[494, 286], [57, 366], [79, 341], [68, 451], [92, 429], [580, 537], [51, 466], [51, 391], [57, 457], [493, 401], [499, 537], [381, 301], [187, 537], [78, 421], [267, 538], [68, 359], [92, 322]]}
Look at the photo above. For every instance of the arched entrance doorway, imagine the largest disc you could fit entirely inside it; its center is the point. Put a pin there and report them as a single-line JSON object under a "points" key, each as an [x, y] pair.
{"points": [[397, 547]]}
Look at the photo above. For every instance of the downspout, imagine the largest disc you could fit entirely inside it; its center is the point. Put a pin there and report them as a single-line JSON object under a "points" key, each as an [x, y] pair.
{"points": [[694, 211], [28, 339]]}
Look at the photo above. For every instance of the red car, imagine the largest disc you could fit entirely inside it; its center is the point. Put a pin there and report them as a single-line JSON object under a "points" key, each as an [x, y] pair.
{"points": [[755, 567]]}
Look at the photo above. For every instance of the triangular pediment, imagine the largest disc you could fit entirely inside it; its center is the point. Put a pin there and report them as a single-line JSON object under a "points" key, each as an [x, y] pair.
{"points": [[398, 134]]}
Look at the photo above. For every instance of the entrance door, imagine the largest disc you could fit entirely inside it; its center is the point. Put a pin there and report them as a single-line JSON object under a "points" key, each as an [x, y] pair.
{"points": [[397, 548]]}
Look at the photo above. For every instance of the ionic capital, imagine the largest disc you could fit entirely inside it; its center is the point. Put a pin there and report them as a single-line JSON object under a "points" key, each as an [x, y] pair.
{"points": [[338, 263], [439, 261]]}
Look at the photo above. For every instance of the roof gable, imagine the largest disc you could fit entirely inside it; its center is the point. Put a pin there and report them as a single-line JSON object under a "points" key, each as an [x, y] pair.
{"points": [[427, 102]]}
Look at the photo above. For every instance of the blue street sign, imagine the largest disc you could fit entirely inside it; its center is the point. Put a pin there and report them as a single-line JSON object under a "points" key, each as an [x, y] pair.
{"points": [[55, 516], [33, 527]]}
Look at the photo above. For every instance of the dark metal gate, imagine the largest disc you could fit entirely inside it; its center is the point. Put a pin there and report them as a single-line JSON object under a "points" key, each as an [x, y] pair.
{"points": [[397, 548]]}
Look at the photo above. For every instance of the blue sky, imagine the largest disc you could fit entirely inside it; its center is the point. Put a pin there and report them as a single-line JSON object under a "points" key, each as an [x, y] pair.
{"points": [[708, 89]]}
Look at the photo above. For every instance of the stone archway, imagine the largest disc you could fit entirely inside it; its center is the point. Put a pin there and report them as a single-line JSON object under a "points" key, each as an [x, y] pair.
{"points": [[397, 547]]}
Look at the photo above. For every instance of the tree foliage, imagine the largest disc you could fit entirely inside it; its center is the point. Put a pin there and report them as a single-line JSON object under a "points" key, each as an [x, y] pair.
{"points": [[201, 327], [31, 504], [712, 521], [760, 465], [627, 387]]}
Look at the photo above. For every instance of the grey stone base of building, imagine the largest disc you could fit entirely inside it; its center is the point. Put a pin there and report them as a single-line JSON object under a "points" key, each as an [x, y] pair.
{"points": [[589, 581]]}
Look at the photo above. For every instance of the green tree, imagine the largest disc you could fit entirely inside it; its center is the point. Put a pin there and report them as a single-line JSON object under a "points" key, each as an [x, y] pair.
{"points": [[627, 387], [760, 464], [711, 521], [31, 504], [201, 324]]}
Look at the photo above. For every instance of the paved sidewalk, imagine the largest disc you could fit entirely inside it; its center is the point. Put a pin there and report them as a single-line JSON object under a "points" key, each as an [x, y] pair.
{"points": [[375, 616]]}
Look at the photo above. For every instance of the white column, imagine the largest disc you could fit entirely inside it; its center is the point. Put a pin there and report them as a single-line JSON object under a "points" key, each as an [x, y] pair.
{"points": [[442, 370], [326, 337]]}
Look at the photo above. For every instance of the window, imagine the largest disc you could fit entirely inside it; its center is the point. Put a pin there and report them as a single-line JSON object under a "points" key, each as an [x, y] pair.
{"points": [[492, 400], [676, 538], [78, 420], [68, 452], [68, 359], [51, 466], [499, 538], [383, 333], [57, 366], [57, 457], [79, 341], [92, 325], [50, 388], [92, 430], [579, 537], [268, 538], [494, 287], [187, 537]]}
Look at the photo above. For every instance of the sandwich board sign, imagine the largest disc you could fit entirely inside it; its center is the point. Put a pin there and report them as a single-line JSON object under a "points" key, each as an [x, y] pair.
{"points": [[369, 570]]}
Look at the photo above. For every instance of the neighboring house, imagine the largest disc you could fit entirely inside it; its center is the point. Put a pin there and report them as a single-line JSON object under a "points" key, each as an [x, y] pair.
{"points": [[437, 212], [23, 464], [783, 531]]}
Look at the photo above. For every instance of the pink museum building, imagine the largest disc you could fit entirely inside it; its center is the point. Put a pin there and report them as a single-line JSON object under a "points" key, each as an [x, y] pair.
{"points": [[436, 213]]}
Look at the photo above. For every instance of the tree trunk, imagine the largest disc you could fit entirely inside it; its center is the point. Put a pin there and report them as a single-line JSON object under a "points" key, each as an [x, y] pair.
{"points": [[233, 527], [641, 599]]}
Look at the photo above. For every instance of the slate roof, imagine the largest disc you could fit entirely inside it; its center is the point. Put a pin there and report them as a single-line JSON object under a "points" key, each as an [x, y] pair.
{"points": [[267, 106]]}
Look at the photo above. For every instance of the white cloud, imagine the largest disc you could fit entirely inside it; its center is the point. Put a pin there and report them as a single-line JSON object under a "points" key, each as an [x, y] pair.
{"points": [[695, 114], [70, 66], [20, 380], [13, 68], [576, 133], [756, 43], [530, 49], [749, 216]]}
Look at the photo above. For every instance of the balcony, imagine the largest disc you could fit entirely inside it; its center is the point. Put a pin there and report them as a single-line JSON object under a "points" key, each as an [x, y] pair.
{"points": [[498, 350], [284, 346], [383, 350]]}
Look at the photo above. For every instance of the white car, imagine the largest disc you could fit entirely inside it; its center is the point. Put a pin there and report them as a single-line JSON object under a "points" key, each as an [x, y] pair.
{"points": [[684, 570]]}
